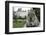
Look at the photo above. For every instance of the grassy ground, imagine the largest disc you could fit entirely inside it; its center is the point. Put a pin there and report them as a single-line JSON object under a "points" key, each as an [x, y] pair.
{"points": [[18, 23]]}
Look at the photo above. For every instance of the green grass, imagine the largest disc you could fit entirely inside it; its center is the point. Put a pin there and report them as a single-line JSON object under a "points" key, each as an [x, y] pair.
{"points": [[18, 24]]}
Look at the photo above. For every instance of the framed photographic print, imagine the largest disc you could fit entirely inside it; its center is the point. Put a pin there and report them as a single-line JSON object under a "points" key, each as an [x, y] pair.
{"points": [[24, 17]]}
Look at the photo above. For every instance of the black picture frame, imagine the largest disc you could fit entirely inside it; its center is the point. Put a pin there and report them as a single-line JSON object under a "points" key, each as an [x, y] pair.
{"points": [[7, 16]]}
